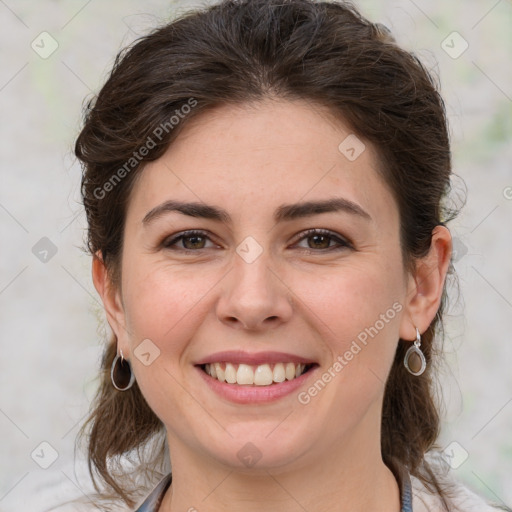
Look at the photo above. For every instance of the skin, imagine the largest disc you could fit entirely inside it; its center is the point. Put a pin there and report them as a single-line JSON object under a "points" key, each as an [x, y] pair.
{"points": [[298, 296]]}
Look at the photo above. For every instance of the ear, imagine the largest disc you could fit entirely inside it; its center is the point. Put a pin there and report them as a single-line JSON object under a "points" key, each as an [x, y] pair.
{"points": [[111, 298], [425, 287]]}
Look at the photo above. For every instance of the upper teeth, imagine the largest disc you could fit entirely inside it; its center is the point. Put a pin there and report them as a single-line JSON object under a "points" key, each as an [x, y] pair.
{"points": [[260, 375]]}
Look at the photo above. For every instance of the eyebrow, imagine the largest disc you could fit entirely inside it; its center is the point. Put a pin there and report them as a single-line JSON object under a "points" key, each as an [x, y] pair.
{"points": [[285, 212]]}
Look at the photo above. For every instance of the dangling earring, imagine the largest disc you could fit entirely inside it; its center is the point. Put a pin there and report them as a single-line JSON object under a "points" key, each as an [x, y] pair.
{"points": [[414, 359], [121, 373]]}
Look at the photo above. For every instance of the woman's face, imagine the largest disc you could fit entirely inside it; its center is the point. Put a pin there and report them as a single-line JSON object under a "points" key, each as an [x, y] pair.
{"points": [[256, 289]]}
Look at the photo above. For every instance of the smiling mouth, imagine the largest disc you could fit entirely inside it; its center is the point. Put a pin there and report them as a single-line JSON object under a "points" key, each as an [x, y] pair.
{"points": [[255, 375]]}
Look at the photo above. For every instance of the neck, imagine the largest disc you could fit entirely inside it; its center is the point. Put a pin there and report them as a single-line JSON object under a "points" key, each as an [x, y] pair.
{"points": [[349, 477]]}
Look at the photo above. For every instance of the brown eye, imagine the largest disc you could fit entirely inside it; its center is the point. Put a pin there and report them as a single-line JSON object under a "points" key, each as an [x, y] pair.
{"points": [[320, 240], [190, 241], [193, 241]]}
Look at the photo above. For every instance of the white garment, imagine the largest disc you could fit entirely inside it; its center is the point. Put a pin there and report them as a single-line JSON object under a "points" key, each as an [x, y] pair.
{"points": [[463, 499], [423, 501]]}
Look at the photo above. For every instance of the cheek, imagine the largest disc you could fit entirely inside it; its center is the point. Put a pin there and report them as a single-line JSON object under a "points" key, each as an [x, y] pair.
{"points": [[165, 306], [162, 302], [357, 309], [348, 300]]}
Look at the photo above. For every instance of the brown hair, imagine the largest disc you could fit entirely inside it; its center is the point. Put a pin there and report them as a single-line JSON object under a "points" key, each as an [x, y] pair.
{"points": [[246, 51]]}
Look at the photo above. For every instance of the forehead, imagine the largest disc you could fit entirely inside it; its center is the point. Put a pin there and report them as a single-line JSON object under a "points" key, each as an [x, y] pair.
{"points": [[248, 156]]}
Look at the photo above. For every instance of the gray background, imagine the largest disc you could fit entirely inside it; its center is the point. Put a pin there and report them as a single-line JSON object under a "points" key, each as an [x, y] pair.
{"points": [[50, 341]]}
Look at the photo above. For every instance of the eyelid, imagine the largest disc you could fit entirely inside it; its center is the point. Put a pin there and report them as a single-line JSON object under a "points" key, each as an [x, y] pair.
{"points": [[171, 240], [342, 241]]}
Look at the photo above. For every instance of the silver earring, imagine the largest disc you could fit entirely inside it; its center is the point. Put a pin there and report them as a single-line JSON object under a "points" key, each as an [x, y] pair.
{"points": [[414, 359], [121, 373]]}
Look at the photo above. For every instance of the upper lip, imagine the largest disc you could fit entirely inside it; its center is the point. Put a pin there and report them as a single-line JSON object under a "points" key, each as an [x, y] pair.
{"points": [[239, 356]]}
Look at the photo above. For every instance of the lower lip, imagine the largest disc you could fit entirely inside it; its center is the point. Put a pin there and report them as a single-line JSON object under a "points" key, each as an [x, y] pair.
{"points": [[249, 394]]}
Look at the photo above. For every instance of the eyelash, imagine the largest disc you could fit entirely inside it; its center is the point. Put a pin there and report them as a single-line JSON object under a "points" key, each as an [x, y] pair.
{"points": [[343, 244]]}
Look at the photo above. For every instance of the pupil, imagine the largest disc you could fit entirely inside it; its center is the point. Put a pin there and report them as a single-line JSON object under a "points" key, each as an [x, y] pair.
{"points": [[316, 237], [193, 238]]}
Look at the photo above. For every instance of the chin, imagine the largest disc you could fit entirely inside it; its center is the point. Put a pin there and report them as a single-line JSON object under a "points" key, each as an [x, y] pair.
{"points": [[260, 445]]}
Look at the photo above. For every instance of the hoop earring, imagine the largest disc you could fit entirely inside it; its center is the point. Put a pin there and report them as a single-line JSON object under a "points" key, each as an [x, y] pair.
{"points": [[121, 373], [414, 359]]}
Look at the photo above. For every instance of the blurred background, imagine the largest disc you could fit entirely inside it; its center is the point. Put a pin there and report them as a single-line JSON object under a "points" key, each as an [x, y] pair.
{"points": [[54, 55]]}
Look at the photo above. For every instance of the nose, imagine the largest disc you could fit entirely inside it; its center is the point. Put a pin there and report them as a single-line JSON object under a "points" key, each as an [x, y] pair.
{"points": [[254, 296]]}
